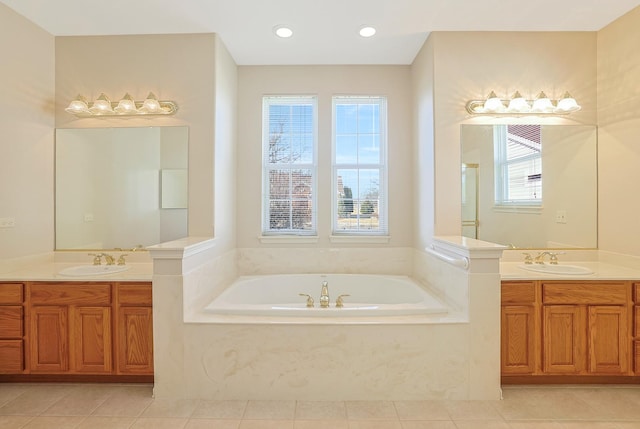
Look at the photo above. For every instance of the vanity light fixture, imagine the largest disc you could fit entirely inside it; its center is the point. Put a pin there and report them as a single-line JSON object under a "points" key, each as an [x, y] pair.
{"points": [[127, 106], [518, 105]]}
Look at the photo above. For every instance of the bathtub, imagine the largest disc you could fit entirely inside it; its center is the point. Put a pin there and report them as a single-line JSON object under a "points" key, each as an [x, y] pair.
{"points": [[369, 295]]}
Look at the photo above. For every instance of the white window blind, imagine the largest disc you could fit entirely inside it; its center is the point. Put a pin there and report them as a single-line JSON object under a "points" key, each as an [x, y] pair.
{"points": [[360, 165], [289, 136], [518, 165]]}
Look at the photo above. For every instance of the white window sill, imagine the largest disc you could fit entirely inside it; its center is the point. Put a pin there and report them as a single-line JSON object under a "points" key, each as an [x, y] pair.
{"points": [[518, 209], [371, 239], [279, 239]]}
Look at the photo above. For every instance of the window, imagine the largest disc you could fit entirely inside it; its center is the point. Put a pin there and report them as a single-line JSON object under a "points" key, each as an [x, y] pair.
{"points": [[359, 165], [289, 165], [518, 164]]}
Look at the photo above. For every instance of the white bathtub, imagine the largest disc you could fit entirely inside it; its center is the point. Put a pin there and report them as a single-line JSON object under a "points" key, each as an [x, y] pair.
{"points": [[369, 295]]}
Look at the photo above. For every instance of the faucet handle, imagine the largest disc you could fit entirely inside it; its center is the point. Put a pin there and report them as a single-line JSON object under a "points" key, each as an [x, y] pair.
{"points": [[121, 260], [528, 259], [309, 299], [97, 258], [553, 257], [340, 301]]}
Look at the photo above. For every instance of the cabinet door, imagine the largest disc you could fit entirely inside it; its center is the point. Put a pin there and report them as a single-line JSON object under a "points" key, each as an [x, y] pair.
{"points": [[135, 340], [608, 339], [49, 340], [517, 339], [564, 341], [91, 339]]}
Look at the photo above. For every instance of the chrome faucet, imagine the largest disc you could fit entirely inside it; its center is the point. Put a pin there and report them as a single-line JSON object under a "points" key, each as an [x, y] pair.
{"points": [[324, 295]]}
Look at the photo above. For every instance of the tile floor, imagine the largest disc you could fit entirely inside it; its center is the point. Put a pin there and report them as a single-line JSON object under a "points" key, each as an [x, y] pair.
{"points": [[97, 406]]}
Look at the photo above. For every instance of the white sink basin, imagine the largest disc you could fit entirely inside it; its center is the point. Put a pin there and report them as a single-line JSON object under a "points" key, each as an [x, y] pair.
{"points": [[557, 269], [93, 270]]}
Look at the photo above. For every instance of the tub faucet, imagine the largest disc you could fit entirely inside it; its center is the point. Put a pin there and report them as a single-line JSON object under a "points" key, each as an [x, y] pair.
{"points": [[324, 295]]}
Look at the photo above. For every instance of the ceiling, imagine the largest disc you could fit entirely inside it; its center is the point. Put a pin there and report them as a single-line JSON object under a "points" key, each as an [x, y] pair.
{"points": [[325, 31]]}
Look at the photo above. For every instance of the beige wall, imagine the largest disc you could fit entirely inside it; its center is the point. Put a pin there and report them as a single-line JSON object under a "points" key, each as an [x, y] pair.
{"points": [[324, 81], [618, 135], [226, 108], [197, 72], [468, 65], [174, 67], [26, 144], [423, 163]]}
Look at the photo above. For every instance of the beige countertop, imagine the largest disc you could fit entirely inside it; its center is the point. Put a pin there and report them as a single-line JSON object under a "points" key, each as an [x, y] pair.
{"points": [[50, 271], [601, 271]]}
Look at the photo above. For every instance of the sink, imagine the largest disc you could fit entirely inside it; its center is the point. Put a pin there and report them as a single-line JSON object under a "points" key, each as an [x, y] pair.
{"points": [[557, 269], [93, 270]]}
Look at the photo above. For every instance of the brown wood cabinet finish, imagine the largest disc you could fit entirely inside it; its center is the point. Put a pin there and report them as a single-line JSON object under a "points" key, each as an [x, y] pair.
{"points": [[79, 329], [135, 329], [11, 328], [576, 329], [519, 330]]}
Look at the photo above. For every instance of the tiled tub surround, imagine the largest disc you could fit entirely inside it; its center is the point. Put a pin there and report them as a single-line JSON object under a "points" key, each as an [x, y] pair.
{"points": [[213, 357]]}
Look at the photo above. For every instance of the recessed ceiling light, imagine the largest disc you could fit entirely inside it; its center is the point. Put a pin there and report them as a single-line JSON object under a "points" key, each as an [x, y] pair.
{"points": [[367, 31], [283, 31]]}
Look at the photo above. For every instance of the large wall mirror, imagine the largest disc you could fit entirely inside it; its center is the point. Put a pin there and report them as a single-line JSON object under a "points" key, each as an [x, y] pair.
{"points": [[120, 187], [530, 186]]}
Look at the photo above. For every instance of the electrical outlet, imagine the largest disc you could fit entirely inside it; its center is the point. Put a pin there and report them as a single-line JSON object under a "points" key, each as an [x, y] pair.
{"points": [[561, 216], [7, 222]]}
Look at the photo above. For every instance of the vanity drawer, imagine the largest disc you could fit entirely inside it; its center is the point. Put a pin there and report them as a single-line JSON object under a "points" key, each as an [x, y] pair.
{"points": [[134, 294], [11, 293], [70, 294], [584, 293], [11, 321], [636, 293], [518, 292]]}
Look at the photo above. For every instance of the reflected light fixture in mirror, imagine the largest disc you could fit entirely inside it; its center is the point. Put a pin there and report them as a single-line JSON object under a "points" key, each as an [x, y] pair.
{"points": [[127, 106], [518, 105]]}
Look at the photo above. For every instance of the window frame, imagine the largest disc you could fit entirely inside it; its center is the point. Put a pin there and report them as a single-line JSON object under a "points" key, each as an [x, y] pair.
{"points": [[501, 174], [267, 167], [381, 167]]}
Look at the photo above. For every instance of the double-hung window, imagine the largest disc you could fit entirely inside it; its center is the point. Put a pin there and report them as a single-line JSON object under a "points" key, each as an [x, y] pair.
{"points": [[359, 165], [289, 135], [518, 165]]}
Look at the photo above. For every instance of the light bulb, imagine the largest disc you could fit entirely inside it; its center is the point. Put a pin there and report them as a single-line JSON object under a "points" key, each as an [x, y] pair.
{"points": [[126, 105], [101, 106], [518, 104], [542, 104], [493, 103]]}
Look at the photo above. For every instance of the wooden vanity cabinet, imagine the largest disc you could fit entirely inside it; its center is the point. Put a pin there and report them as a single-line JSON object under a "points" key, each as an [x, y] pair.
{"points": [[80, 331], [134, 348], [565, 331], [585, 328], [519, 331], [70, 328], [11, 328], [636, 328]]}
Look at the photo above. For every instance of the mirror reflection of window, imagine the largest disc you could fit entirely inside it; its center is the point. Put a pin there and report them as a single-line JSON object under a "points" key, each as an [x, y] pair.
{"points": [[518, 164]]}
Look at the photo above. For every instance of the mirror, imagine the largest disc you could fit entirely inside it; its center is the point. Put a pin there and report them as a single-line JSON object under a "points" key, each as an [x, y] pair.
{"points": [[530, 186], [110, 183]]}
